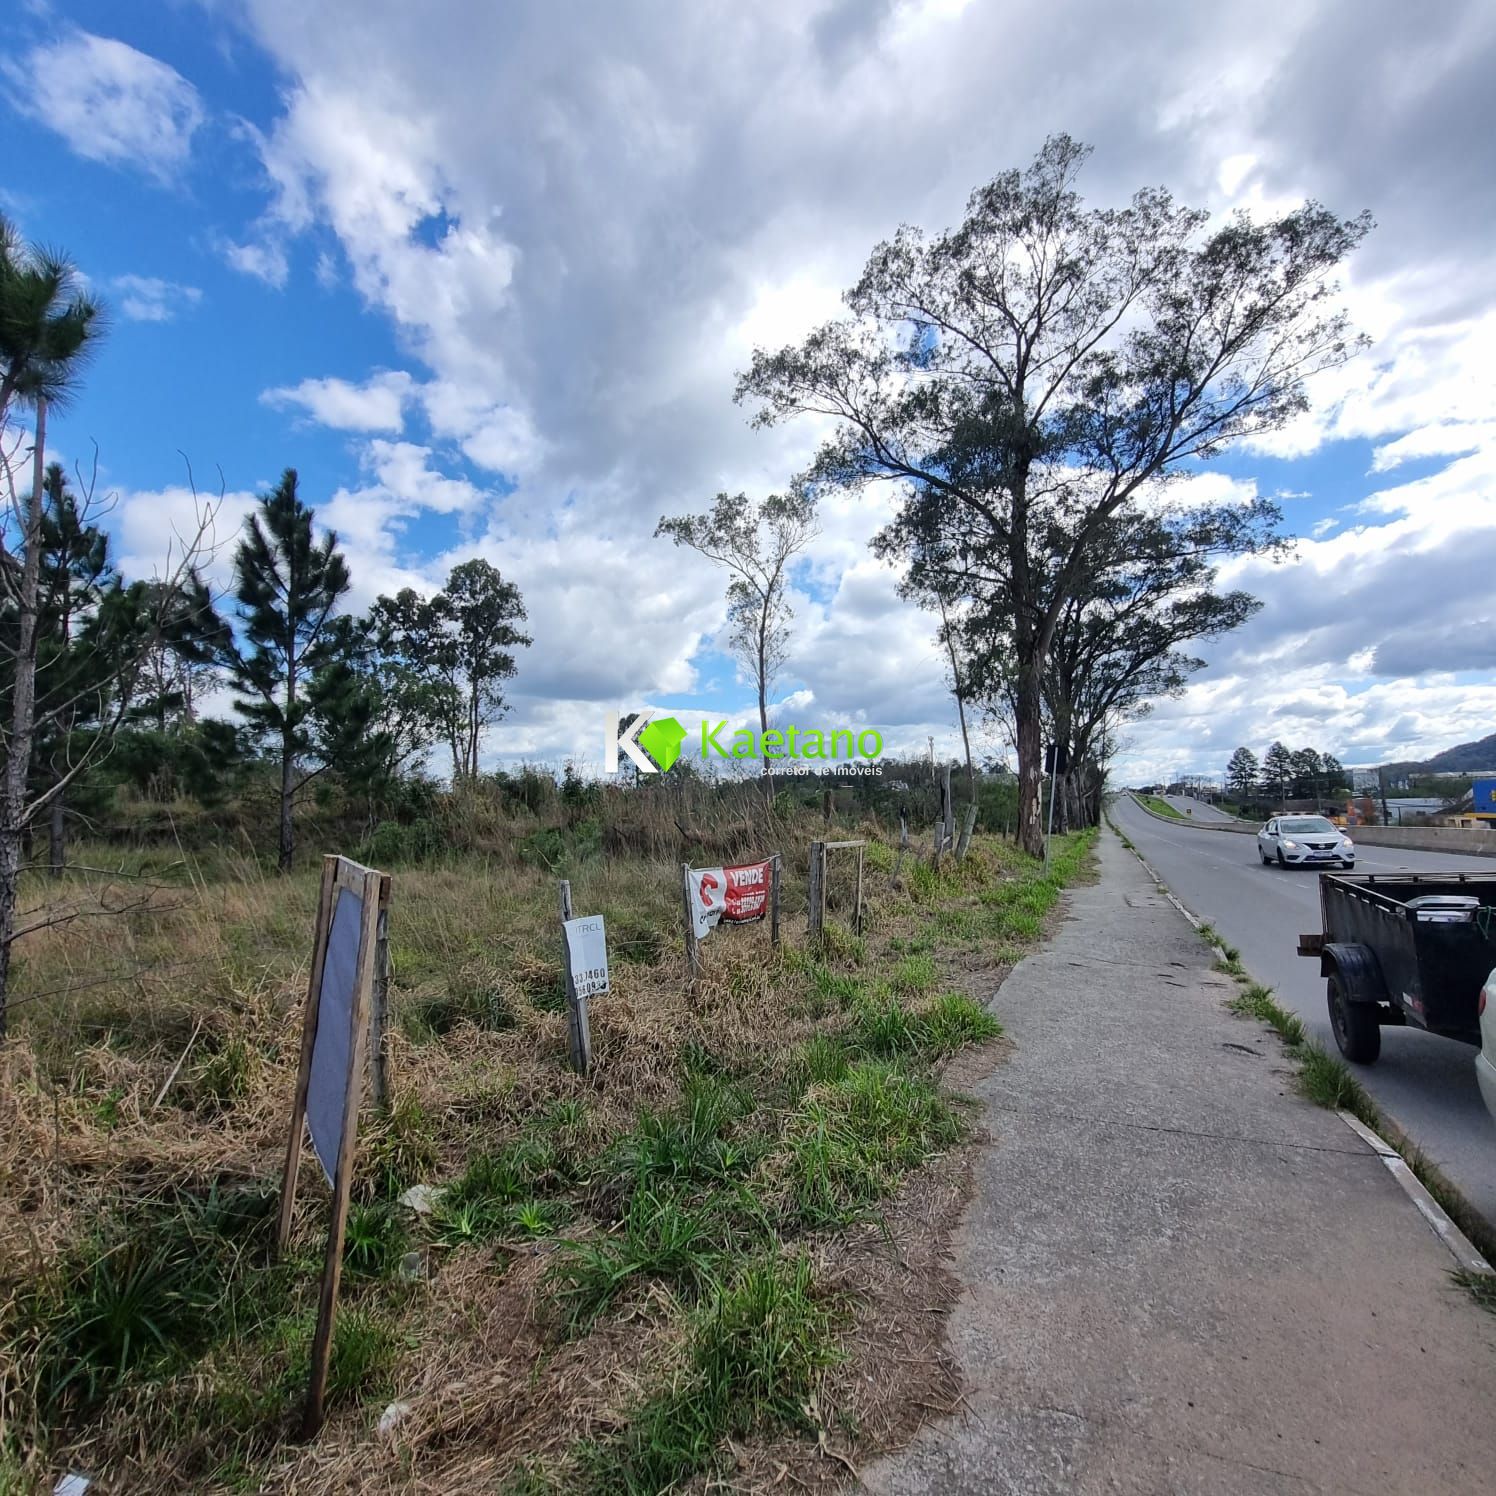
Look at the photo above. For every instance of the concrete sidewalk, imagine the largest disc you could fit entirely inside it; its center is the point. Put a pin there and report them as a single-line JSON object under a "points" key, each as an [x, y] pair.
{"points": [[1178, 1275]]}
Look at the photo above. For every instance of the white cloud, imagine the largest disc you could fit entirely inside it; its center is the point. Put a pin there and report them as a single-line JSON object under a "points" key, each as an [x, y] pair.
{"points": [[144, 298], [109, 102], [376, 405], [577, 260], [265, 259]]}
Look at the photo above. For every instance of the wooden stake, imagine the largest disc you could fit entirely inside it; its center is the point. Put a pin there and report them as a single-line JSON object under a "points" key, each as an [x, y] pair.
{"points": [[817, 891], [857, 905], [693, 950], [379, 1012], [774, 863], [332, 1267], [578, 1031], [308, 1039]]}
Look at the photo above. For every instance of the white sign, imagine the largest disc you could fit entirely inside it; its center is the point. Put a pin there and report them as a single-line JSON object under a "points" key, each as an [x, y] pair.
{"points": [[587, 954], [1365, 781]]}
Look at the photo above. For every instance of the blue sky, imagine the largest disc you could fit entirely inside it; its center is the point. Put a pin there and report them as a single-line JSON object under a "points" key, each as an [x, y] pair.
{"points": [[484, 276]]}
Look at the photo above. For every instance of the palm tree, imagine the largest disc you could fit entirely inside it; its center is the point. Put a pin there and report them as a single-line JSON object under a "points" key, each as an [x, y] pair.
{"points": [[49, 324]]}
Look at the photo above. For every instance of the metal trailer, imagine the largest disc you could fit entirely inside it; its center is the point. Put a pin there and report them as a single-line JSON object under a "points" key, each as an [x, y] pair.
{"points": [[1403, 948]]}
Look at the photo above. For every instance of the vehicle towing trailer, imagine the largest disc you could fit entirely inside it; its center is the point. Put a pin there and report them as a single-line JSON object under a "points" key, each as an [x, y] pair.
{"points": [[1403, 948]]}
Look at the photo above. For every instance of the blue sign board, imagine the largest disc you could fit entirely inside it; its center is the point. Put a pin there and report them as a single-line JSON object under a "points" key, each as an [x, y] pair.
{"points": [[332, 1051], [1483, 791]]}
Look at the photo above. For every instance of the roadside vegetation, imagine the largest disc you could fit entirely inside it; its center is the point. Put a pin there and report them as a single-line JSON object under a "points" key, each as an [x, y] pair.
{"points": [[1329, 1082], [620, 1283], [1160, 807]]}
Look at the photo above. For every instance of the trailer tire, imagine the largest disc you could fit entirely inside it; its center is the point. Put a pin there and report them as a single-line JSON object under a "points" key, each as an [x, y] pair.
{"points": [[1355, 1025]]}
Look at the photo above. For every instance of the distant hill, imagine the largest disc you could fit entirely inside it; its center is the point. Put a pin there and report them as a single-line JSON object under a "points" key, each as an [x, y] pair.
{"points": [[1461, 759]]}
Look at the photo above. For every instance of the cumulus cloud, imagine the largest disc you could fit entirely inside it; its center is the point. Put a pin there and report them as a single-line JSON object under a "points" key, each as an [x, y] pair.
{"points": [[578, 257], [108, 101], [145, 298], [376, 405]]}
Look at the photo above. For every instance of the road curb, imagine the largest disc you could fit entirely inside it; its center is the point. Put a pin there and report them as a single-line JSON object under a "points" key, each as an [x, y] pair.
{"points": [[1461, 1248]]}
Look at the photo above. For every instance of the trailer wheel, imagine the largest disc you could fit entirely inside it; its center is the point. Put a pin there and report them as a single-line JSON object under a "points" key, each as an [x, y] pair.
{"points": [[1357, 1031]]}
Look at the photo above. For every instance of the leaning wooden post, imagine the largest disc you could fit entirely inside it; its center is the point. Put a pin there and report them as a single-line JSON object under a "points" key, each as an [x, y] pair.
{"points": [[693, 949], [971, 825], [379, 1012], [342, 1181], [774, 864], [308, 1040], [817, 895], [578, 1031], [857, 905]]}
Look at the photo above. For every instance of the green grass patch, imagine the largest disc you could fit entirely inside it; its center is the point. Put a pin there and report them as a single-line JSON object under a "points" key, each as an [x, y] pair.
{"points": [[1161, 807]]}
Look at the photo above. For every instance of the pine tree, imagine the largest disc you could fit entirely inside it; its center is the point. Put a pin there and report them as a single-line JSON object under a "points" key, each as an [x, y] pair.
{"points": [[1277, 772], [1241, 773], [287, 585]]}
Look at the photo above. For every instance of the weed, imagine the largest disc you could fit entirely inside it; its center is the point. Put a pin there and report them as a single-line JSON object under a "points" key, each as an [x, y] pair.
{"points": [[1480, 1286], [398, 1149], [374, 1241], [850, 1142], [1327, 1081]]}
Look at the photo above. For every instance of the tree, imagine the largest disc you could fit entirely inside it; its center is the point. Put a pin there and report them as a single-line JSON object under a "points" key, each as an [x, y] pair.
{"points": [[1277, 772], [74, 575], [1241, 773], [460, 643], [1335, 776], [1307, 774], [49, 324], [286, 586], [754, 544], [1041, 368]]}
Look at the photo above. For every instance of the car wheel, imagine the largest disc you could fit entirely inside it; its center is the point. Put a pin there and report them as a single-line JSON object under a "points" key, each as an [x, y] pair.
{"points": [[1357, 1031], [1281, 860], [1264, 858]]}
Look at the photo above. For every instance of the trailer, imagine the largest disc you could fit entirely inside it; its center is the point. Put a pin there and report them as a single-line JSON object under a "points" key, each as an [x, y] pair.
{"points": [[1403, 948]]}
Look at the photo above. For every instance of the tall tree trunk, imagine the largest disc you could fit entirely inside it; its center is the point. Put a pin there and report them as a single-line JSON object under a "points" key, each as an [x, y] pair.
{"points": [[763, 700], [17, 767], [1030, 734], [950, 645], [287, 795]]}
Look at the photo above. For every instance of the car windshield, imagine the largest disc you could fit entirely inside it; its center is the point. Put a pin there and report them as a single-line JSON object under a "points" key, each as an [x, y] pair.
{"points": [[1308, 826]]}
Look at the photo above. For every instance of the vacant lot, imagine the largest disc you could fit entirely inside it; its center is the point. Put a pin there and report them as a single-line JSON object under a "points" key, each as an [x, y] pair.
{"points": [[626, 1281]]}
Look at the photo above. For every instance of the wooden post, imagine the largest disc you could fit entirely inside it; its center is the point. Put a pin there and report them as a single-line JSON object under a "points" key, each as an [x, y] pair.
{"points": [[898, 860], [971, 825], [950, 808], [379, 1012], [817, 888], [332, 1267], [774, 865], [857, 904], [578, 1030], [308, 1039], [828, 801], [693, 949]]}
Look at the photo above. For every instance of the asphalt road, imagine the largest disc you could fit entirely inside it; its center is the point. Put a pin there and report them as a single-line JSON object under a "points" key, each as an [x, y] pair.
{"points": [[1425, 1084], [1196, 809]]}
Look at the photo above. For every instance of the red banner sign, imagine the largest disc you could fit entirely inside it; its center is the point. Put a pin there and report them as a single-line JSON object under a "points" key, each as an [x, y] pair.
{"points": [[736, 895]]}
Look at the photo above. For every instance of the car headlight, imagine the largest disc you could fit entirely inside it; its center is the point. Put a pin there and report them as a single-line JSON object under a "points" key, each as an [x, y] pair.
{"points": [[1292, 846], [1347, 845]]}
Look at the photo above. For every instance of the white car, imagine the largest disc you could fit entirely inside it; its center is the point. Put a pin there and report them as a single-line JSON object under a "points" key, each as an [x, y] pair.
{"points": [[1297, 841], [1485, 1061]]}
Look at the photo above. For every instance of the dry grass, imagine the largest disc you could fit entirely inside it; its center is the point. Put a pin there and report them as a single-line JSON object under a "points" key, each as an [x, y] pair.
{"points": [[153, 1061]]}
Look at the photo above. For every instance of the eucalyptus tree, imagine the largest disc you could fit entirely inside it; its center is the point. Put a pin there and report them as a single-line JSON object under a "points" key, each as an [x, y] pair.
{"points": [[49, 325], [1027, 376], [755, 543]]}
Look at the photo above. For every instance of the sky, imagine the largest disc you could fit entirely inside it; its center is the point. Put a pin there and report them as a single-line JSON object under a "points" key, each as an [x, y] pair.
{"points": [[484, 275]]}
